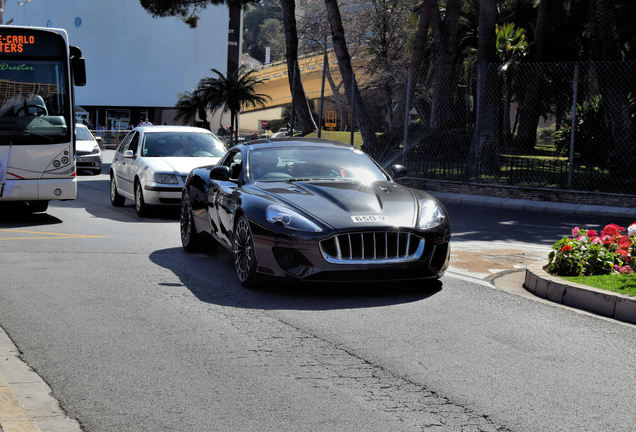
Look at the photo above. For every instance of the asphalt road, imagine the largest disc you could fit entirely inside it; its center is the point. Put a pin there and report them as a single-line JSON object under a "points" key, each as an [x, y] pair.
{"points": [[133, 334]]}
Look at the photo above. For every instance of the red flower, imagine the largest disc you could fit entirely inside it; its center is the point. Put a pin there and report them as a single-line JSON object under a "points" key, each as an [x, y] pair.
{"points": [[566, 248], [623, 254], [612, 229], [592, 233]]}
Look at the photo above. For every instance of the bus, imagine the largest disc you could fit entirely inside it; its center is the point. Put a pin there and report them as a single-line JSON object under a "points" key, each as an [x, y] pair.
{"points": [[37, 121]]}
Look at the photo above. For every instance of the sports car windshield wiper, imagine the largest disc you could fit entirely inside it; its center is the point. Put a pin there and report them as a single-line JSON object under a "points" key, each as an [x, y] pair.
{"points": [[292, 180]]}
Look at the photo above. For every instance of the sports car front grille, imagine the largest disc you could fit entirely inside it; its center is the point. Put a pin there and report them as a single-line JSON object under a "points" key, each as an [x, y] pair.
{"points": [[373, 247], [184, 177]]}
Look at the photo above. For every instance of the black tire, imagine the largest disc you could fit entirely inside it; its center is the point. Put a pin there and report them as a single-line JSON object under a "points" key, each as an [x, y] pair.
{"points": [[190, 239], [38, 206], [244, 257], [140, 205], [115, 199]]}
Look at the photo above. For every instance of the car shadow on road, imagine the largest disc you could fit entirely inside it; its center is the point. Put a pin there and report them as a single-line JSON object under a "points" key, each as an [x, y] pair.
{"points": [[95, 199], [18, 217], [211, 278]]}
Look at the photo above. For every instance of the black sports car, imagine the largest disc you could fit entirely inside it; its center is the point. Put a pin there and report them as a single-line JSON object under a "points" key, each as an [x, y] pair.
{"points": [[314, 210]]}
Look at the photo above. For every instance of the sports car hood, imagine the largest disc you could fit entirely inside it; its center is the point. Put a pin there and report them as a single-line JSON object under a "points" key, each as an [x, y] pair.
{"points": [[347, 205], [180, 165]]}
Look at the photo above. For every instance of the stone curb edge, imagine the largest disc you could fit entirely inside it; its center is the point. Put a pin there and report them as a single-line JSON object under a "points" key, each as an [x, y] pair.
{"points": [[531, 205], [26, 401], [600, 302]]}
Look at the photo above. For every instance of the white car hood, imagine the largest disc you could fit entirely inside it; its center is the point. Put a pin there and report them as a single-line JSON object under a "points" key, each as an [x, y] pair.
{"points": [[85, 146], [178, 165]]}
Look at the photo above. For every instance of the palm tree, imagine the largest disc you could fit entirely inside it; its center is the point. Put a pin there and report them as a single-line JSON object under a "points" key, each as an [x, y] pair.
{"points": [[230, 93], [188, 106]]}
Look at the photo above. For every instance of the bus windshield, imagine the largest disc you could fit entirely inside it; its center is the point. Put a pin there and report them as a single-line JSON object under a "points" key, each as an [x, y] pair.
{"points": [[34, 105]]}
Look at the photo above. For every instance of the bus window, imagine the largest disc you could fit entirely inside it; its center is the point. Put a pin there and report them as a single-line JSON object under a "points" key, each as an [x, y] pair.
{"points": [[34, 94]]}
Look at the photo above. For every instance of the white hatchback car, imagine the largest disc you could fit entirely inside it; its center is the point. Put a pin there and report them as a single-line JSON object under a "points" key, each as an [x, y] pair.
{"points": [[151, 164], [88, 155]]}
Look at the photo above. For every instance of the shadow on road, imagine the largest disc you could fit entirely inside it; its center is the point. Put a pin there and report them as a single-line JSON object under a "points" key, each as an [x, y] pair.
{"points": [[211, 278], [93, 196], [473, 223], [17, 217]]}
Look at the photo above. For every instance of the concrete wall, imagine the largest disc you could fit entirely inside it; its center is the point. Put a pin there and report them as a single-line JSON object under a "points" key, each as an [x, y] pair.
{"points": [[132, 59]]}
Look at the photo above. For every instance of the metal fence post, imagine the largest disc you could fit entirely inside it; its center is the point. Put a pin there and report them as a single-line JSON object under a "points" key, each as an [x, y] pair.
{"points": [[290, 132], [406, 116], [575, 86], [353, 104], [322, 93]]}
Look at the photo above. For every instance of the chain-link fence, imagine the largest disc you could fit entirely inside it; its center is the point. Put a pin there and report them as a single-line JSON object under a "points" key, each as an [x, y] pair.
{"points": [[554, 125]]}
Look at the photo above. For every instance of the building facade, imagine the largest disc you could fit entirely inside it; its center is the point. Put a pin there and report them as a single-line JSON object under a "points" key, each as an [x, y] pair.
{"points": [[136, 65]]}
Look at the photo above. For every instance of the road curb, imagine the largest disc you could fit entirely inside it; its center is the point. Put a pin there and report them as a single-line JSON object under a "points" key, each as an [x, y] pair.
{"points": [[26, 403], [600, 302]]}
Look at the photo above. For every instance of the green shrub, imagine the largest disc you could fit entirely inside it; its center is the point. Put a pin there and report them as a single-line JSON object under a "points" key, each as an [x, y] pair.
{"points": [[591, 135]]}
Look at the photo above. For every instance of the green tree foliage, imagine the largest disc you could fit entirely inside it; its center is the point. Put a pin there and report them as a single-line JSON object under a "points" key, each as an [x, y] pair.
{"points": [[230, 93], [590, 132], [253, 20], [188, 106], [272, 35], [186, 9]]}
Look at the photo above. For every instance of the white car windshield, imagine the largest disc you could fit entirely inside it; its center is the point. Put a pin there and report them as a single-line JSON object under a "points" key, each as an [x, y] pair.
{"points": [[83, 134], [181, 144]]}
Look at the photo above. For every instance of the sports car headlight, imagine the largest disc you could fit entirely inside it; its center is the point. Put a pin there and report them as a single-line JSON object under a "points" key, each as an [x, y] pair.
{"points": [[166, 178], [431, 215], [289, 219], [95, 148]]}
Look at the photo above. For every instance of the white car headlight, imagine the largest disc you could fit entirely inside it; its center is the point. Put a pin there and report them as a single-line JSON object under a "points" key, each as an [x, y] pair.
{"points": [[289, 219], [166, 178], [95, 148], [431, 215]]}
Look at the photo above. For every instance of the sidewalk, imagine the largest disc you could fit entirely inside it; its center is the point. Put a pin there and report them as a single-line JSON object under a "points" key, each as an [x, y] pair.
{"points": [[26, 404]]}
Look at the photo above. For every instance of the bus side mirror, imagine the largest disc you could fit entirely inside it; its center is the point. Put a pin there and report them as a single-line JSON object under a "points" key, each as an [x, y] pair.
{"points": [[78, 66]]}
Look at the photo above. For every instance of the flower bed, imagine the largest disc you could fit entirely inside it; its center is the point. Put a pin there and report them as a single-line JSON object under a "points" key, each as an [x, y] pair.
{"points": [[588, 253]]}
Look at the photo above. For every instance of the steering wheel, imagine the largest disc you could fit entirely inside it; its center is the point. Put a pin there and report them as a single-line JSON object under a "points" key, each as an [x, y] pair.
{"points": [[40, 109]]}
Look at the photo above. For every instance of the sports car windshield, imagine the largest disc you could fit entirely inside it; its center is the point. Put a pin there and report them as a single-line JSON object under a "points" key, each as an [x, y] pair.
{"points": [[313, 163], [181, 144]]}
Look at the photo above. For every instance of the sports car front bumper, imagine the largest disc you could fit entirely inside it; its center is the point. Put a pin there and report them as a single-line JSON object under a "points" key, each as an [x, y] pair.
{"points": [[422, 255]]}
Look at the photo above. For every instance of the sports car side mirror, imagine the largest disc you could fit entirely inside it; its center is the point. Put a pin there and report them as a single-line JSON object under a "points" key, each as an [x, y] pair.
{"points": [[220, 173], [128, 154], [398, 171]]}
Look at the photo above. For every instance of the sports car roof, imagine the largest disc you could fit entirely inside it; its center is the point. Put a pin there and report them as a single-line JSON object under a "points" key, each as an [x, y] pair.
{"points": [[292, 142]]}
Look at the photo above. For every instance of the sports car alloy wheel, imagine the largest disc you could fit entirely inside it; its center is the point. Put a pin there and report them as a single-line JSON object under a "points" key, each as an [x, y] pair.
{"points": [[189, 236], [244, 258], [140, 205], [115, 199]]}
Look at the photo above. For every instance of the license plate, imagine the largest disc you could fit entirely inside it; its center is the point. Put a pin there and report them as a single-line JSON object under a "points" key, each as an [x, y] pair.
{"points": [[368, 219]]}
